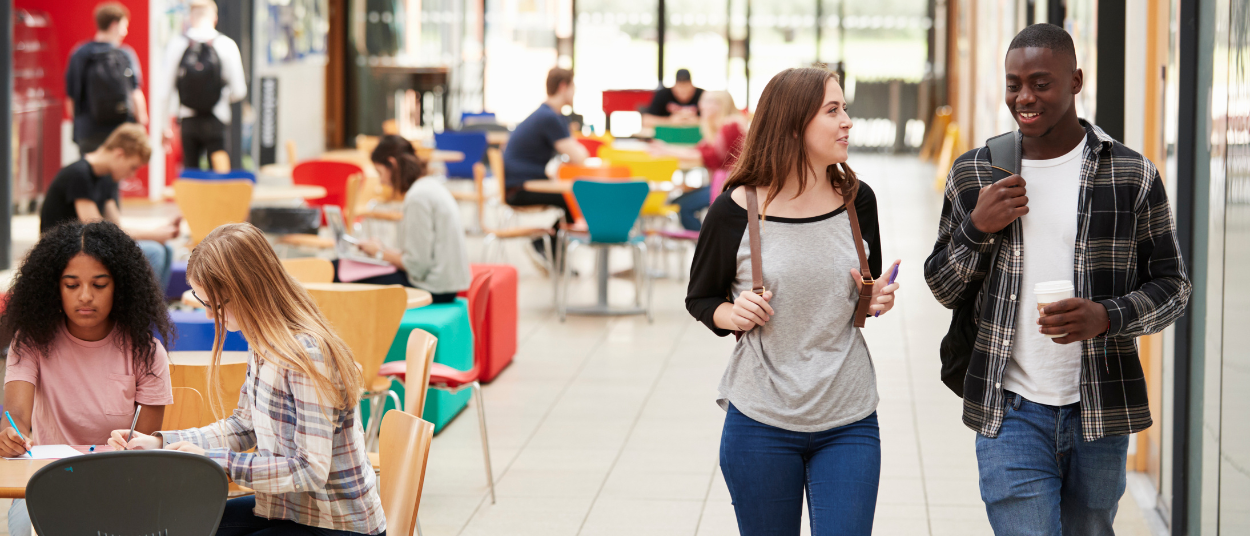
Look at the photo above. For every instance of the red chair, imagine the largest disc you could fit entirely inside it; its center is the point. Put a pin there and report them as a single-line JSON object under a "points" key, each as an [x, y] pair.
{"points": [[592, 145], [333, 176], [451, 380], [624, 100], [501, 319]]}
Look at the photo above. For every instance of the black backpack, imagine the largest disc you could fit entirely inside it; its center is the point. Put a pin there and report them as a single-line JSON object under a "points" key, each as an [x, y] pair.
{"points": [[961, 337], [109, 81], [199, 77]]}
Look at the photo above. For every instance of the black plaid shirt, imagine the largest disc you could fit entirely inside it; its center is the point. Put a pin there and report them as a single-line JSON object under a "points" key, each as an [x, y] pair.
{"points": [[1126, 259]]}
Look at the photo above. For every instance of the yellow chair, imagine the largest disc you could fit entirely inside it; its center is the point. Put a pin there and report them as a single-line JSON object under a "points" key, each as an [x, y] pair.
{"points": [[229, 382], [367, 318], [404, 454], [186, 411], [418, 359], [309, 269], [656, 169], [209, 204]]}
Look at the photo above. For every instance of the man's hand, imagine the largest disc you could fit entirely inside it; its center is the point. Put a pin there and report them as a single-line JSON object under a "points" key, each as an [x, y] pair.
{"points": [[999, 204], [1080, 318]]}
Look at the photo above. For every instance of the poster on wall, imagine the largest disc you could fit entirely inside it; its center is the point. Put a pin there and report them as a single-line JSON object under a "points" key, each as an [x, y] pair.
{"points": [[294, 30]]}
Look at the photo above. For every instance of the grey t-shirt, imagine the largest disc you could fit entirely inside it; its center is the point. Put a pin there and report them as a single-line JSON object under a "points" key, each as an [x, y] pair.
{"points": [[807, 369], [432, 238]]}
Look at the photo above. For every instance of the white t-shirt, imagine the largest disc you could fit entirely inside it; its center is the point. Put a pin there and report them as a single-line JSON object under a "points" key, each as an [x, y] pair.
{"points": [[1040, 369]]}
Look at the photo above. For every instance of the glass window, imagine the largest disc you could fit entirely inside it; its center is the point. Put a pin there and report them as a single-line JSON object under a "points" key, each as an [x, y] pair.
{"points": [[783, 35], [520, 49], [615, 47], [694, 39]]}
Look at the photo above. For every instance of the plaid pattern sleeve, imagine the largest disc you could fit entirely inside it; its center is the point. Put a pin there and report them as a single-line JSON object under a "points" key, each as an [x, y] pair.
{"points": [[310, 464], [234, 432], [1126, 258]]}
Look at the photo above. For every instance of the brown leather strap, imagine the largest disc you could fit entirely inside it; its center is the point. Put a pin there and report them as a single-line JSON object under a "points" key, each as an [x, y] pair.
{"points": [[865, 290], [753, 232]]}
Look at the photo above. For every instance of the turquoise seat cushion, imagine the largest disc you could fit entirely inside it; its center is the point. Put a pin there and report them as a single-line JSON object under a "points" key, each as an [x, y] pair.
{"points": [[450, 323]]}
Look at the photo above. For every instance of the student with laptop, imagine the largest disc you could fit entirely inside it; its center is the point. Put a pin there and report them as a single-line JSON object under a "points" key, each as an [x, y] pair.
{"points": [[78, 366], [432, 255], [297, 407]]}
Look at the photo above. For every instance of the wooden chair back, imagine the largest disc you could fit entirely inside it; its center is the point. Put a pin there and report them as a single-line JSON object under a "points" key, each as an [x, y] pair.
{"points": [[404, 450], [367, 317], [209, 204], [420, 359], [494, 157], [195, 376], [479, 180], [309, 269], [292, 155], [186, 411]]}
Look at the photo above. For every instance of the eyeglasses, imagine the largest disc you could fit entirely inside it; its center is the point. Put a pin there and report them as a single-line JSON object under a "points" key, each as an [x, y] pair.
{"points": [[202, 302]]}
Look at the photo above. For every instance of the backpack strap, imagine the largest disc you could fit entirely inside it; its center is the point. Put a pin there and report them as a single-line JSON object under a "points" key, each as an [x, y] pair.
{"points": [[865, 289], [753, 232], [1005, 161]]}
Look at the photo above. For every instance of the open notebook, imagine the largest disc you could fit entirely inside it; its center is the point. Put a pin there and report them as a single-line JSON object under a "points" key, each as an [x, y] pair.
{"points": [[49, 452]]}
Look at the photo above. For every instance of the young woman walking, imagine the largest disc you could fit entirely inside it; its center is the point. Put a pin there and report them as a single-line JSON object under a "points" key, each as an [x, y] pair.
{"points": [[297, 406], [800, 390]]}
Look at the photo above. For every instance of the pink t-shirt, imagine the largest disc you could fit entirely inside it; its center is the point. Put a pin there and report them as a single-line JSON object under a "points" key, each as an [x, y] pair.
{"points": [[85, 390]]}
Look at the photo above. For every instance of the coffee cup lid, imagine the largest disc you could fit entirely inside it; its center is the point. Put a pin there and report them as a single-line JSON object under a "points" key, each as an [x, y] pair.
{"points": [[1047, 287]]}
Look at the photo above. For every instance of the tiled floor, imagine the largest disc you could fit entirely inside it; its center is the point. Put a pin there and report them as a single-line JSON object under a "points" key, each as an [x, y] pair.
{"points": [[608, 426]]}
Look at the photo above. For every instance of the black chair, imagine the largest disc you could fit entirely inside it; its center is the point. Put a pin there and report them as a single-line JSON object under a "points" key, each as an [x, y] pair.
{"points": [[128, 493]]}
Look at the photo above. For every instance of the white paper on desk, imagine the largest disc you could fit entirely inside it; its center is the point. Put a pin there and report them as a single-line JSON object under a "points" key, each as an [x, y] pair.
{"points": [[49, 452]]}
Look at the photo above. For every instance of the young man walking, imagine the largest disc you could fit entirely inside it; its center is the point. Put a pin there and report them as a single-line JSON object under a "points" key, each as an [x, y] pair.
{"points": [[1054, 393], [103, 81], [203, 75]]}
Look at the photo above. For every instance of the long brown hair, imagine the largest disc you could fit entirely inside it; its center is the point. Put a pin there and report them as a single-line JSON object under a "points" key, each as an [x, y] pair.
{"points": [[237, 268], [397, 154], [774, 146]]}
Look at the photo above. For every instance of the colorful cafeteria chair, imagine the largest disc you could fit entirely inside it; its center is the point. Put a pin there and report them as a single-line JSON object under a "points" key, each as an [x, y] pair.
{"points": [[472, 144], [610, 210], [403, 452], [338, 178], [682, 135]]}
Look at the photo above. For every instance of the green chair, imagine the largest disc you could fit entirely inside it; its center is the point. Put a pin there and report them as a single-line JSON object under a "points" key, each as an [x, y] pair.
{"points": [[449, 322], [685, 135], [611, 210]]}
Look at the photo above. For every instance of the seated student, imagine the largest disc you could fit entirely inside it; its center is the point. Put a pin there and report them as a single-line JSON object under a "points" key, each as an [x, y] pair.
{"points": [[433, 255], [78, 366], [87, 191], [297, 407], [724, 128], [538, 139], [678, 105]]}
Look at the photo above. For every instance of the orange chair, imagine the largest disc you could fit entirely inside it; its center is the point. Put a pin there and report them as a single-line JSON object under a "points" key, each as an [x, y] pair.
{"points": [[570, 172], [333, 176]]}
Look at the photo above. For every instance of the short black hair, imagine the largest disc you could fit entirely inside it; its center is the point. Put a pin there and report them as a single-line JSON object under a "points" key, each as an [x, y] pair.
{"points": [[683, 75], [1044, 35]]}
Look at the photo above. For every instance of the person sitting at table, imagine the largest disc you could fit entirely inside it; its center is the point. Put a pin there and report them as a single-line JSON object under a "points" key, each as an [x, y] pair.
{"points": [[297, 407], [535, 141], [677, 105], [87, 190], [433, 255], [723, 127], [80, 315]]}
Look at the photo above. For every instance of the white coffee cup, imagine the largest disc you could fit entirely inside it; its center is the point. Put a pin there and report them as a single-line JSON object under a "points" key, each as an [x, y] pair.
{"points": [[1049, 292]]}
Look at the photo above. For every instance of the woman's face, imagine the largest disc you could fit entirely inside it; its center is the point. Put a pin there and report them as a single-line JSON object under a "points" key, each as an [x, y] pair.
{"points": [[231, 324], [828, 134], [384, 173], [709, 106], [86, 293]]}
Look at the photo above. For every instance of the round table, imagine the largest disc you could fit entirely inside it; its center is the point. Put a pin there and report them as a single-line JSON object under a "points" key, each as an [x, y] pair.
{"points": [[416, 297], [15, 474], [270, 193]]}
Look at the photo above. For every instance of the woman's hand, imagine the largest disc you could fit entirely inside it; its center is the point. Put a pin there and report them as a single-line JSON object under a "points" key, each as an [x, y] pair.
{"points": [[11, 444], [882, 295], [750, 310], [186, 446], [138, 441], [370, 247]]}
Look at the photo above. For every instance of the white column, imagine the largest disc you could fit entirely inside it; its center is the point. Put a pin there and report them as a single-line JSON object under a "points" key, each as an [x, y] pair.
{"points": [[1135, 75]]}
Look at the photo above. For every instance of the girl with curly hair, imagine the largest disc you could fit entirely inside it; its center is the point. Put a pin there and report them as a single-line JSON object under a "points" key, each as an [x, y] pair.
{"points": [[297, 407], [81, 315]]}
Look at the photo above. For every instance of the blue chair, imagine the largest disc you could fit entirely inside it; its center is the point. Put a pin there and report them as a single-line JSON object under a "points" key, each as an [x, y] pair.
{"points": [[193, 331], [203, 175], [477, 118], [611, 211], [472, 144]]}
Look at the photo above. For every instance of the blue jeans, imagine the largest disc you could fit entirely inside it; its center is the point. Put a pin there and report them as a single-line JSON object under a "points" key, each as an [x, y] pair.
{"points": [[1040, 477], [160, 257], [238, 520], [691, 203], [769, 469]]}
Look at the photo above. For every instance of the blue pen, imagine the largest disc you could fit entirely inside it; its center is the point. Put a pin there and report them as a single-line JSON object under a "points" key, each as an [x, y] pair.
{"points": [[893, 276], [19, 432]]}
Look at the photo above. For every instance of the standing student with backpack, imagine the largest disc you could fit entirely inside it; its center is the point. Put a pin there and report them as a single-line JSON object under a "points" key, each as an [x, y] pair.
{"points": [[1054, 389], [800, 391], [203, 76], [103, 81]]}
